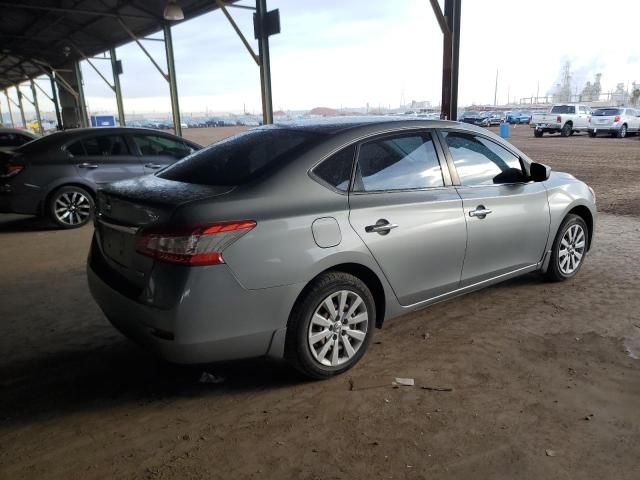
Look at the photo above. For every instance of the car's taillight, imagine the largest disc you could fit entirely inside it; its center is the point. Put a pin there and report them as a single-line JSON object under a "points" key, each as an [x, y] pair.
{"points": [[559, 119], [616, 119], [10, 170], [201, 245]]}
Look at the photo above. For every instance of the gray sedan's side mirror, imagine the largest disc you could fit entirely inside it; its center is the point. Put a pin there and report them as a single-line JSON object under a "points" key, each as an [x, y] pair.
{"points": [[539, 172]]}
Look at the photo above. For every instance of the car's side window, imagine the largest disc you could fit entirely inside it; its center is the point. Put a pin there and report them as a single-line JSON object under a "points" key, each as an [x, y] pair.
{"points": [[75, 148], [479, 161], [398, 163], [152, 145], [106, 146], [336, 170]]}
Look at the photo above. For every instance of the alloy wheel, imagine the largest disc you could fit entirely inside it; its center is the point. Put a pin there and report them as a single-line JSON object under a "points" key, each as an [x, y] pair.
{"points": [[338, 328], [72, 208], [572, 248]]}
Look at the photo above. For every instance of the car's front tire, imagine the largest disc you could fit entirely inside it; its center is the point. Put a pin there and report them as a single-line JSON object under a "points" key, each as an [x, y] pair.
{"points": [[538, 133], [331, 325], [70, 207], [569, 249]]}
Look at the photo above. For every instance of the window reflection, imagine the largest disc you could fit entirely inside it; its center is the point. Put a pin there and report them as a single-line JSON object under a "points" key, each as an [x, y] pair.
{"points": [[482, 162], [401, 163]]}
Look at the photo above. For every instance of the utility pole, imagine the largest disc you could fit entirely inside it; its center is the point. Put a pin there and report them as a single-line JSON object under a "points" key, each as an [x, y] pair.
{"points": [[495, 93]]}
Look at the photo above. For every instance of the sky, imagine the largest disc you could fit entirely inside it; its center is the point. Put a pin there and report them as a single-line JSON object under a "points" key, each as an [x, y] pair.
{"points": [[350, 53]]}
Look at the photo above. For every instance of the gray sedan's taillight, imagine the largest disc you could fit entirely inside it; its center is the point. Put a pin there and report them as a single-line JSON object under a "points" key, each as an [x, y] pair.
{"points": [[201, 245]]}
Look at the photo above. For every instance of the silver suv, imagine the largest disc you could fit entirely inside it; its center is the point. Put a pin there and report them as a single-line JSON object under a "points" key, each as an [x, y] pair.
{"points": [[297, 240], [615, 121]]}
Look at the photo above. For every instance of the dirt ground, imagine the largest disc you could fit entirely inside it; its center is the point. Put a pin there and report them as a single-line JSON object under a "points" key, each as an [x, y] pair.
{"points": [[544, 378]]}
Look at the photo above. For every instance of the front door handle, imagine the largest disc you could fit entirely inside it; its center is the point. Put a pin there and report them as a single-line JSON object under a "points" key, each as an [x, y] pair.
{"points": [[480, 212], [87, 165], [153, 165], [382, 227]]}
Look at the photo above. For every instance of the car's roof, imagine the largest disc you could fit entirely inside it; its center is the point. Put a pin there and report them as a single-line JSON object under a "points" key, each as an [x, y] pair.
{"points": [[341, 124]]}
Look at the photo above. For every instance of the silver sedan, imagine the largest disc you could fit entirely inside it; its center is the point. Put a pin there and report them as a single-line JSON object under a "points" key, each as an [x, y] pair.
{"points": [[296, 241]]}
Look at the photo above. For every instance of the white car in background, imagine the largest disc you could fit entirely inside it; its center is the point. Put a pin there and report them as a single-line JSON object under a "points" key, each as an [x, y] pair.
{"points": [[616, 121], [565, 119]]}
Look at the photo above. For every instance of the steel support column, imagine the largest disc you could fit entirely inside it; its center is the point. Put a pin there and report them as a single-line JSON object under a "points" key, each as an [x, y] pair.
{"points": [[6, 94], [265, 63], [450, 25], [83, 116], [36, 106], [21, 107], [115, 68], [173, 86], [54, 94]]}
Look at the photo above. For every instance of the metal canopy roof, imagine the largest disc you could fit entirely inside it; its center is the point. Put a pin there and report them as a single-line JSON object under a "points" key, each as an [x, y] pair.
{"points": [[41, 33]]}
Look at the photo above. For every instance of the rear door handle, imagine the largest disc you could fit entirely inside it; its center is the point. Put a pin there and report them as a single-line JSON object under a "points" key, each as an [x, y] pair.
{"points": [[87, 165], [480, 212], [382, 227], [153, 165]]}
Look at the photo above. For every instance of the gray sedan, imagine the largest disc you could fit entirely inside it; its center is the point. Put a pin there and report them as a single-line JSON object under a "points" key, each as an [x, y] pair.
{"points": [[57, 176], [296, 241]]}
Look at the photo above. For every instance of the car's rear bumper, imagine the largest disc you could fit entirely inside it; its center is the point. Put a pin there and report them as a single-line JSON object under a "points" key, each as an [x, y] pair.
{"points": [[13, 202], [604, 129], [546, 127], [214, 318]]}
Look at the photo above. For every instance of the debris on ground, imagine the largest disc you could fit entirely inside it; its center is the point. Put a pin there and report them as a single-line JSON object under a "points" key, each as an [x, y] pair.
{"points": [[207, 377], [437, 389], [426, 336], [405, 382], [550, 453]]}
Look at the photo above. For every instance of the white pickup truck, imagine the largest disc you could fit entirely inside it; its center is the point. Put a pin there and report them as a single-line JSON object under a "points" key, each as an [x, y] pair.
{"points": [[564, 119]]}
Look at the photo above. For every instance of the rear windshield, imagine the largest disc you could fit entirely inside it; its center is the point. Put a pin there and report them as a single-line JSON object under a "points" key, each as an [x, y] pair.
{"points": [[605, 112], [563, 109], [239, 159]]}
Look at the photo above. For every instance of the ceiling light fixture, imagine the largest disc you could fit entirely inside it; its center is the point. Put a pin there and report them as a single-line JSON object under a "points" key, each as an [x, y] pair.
{"points": [[173, 11]]}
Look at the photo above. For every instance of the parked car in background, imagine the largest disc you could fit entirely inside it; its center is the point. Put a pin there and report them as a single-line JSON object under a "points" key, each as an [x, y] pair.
{"points": [[615, 121], [564, 119], [494, 118], [297, 240], [518, 117], [12, 138], [474, 118], [57, 176]]}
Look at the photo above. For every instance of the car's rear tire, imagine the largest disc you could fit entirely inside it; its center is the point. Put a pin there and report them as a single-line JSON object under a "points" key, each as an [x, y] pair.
{"points": [[330, 326], [538, 133], [592, 134], [569, 249], [70, 207], [622, 132], [566, 130]]}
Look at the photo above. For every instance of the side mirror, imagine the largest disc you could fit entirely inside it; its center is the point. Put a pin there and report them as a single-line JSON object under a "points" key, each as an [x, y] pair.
{"points": [[539, 172]]}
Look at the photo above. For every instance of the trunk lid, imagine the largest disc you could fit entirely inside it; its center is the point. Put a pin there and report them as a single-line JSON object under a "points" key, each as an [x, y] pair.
{"points": [[124, 208]]}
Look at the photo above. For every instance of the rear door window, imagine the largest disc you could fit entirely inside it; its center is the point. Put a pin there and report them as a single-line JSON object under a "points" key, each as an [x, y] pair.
{"points": [[398, 163], [106, 146], [240, 159], [157, 145], [563, 109]]}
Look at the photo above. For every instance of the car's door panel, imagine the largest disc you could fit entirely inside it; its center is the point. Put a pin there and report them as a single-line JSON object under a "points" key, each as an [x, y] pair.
{"points": [[104, 159], [416, 235], [507, 216], [513, 235]]}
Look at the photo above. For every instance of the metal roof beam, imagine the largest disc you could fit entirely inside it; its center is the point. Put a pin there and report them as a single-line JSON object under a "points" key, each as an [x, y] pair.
{"points": [[79, 11]]}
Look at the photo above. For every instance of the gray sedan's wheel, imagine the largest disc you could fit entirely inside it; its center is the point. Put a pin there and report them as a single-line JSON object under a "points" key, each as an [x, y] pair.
{"points": [[331, 325], [71, 207], [569, 249]]}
